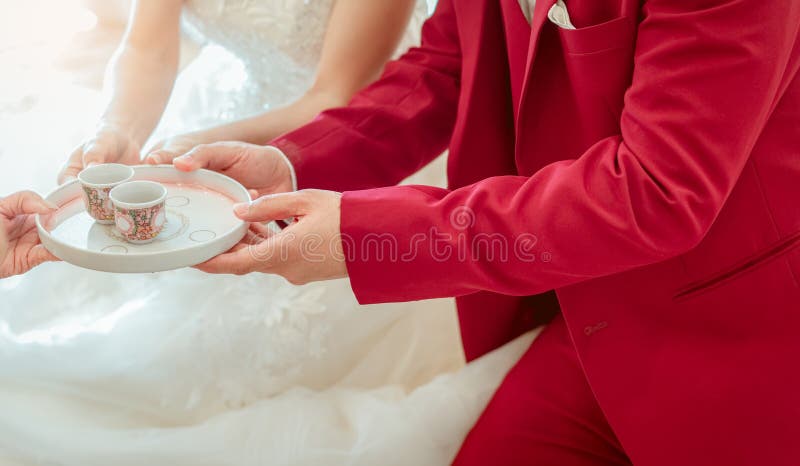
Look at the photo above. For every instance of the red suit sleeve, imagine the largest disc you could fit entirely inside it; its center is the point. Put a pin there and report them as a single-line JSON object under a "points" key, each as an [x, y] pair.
{"points": [[706, 77]]}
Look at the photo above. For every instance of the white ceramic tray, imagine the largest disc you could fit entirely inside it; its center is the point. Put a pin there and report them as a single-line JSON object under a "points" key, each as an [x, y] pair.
{"points": [[200, 224]]}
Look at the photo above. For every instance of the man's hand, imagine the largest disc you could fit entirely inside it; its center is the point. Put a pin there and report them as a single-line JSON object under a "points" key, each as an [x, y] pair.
{"points": [[20, 249], [310, 249], [166, 151], [109, 145], [262, 169]]}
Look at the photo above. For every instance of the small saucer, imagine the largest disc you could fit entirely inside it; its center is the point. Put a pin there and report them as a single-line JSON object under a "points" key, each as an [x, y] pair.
{"points": [[200, 224]]}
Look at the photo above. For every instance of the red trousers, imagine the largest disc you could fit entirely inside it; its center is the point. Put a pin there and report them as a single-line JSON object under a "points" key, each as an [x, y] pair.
{"points": [[544, 413]]}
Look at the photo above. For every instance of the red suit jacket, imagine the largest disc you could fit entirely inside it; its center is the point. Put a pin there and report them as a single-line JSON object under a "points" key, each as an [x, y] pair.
{"points": [[646, 168]]}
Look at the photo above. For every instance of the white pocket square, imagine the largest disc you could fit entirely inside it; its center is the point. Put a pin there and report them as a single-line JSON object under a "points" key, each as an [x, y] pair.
{"points": [[559, 15]]}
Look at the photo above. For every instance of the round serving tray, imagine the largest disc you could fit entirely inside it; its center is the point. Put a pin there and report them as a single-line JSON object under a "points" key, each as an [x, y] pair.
{"points": [[200, 224]]}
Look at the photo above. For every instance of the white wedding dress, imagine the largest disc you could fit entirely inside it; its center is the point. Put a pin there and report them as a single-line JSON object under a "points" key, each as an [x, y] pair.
{"points": [[183, 368]]}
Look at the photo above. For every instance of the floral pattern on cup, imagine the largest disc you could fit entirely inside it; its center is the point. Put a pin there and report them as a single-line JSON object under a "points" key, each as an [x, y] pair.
{"points": [[97, 182], [98, 204], [140, 225]]}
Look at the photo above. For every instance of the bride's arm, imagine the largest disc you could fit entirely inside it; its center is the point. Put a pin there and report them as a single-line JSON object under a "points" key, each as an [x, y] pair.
{"points": [[141, 74], [138, 82], [361, 37]]}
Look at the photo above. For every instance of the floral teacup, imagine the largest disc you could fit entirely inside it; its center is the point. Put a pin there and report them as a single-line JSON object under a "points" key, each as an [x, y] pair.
{"points": [[139, 212], [97, 181]]}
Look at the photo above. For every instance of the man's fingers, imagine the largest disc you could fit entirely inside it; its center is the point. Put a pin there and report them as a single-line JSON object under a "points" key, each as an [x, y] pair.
{"points": [[161, 156], [25, 203], [216, 157], [251, 237], [243, 257], [273, 207], [262, 231], [237, 261]]}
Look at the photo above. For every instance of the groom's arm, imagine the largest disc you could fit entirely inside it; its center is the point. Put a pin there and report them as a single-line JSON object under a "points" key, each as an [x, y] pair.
{"points": [[632, 199], [393, 127]]}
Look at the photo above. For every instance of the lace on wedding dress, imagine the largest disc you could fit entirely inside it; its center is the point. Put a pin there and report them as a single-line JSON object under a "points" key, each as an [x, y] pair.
{"points": [[279, 43]]}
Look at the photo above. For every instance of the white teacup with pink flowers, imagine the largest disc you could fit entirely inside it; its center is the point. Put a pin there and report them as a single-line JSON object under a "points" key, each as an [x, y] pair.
{"points": [[139, 212], [97, 182]]}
